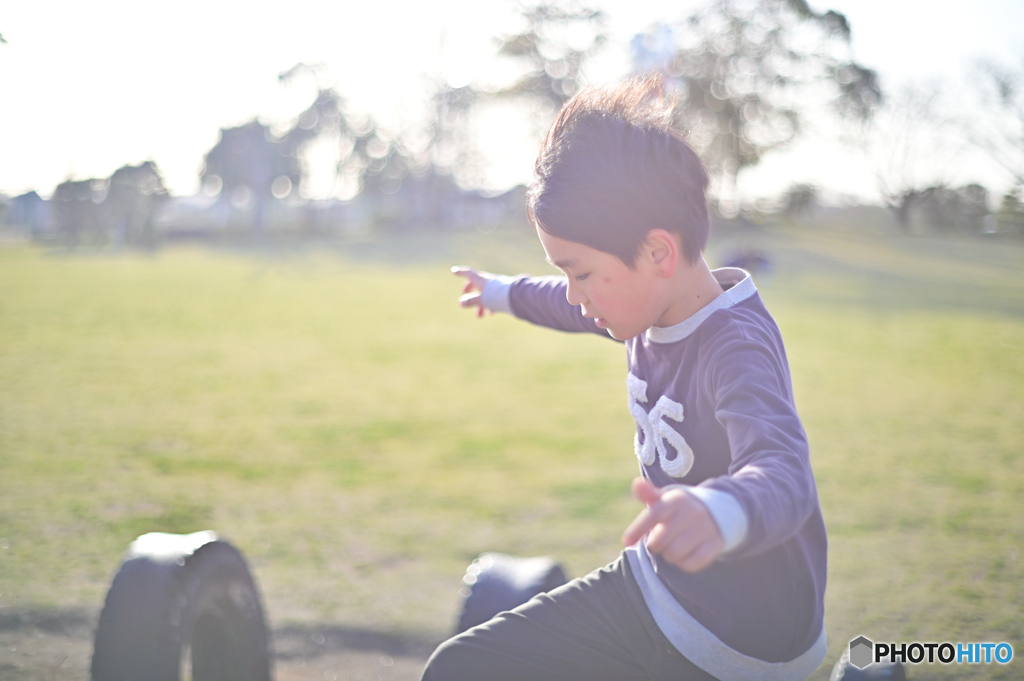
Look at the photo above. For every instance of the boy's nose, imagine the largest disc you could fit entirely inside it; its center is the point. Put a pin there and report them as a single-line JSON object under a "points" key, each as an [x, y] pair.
{"points": [[574, 295]]}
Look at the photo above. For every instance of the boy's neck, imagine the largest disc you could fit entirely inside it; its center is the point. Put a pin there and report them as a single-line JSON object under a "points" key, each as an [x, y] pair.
{"points": [[691, 288]]}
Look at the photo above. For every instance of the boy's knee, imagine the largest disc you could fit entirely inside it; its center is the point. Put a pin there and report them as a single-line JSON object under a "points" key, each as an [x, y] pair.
{"points": [[448, 662]]}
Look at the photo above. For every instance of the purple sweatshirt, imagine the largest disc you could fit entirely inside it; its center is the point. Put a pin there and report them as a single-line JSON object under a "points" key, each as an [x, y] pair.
{"points": [[713, 402]]}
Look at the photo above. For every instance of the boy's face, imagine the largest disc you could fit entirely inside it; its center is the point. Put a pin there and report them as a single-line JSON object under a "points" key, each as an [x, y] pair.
{"points": [[625, 301]]}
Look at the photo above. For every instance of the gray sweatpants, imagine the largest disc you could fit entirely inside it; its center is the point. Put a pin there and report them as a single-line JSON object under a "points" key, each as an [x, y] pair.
{"points": [[591, 629]]}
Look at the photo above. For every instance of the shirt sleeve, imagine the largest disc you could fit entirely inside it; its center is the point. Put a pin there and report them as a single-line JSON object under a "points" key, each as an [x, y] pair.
{"points": [[770, 472], [727, 513], [495, 296], [542, 301]]}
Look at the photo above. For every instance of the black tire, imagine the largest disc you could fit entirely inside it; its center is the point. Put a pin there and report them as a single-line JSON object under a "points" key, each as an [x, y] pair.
{"points": [[168, 606], [496, 582]]}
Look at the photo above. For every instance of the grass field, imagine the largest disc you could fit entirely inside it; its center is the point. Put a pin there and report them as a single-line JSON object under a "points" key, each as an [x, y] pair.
{"points": [[332, 412]]}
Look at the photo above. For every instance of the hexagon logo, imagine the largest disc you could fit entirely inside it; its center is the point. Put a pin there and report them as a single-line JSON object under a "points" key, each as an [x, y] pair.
{"points": [[861, 652]]}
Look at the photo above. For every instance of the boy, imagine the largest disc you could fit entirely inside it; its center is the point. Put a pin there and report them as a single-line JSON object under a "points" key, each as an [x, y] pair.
{"points": [[724, 574]]}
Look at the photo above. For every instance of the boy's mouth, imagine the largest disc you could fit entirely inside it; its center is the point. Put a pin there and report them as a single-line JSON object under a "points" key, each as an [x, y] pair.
{"points": [[600, 321]]}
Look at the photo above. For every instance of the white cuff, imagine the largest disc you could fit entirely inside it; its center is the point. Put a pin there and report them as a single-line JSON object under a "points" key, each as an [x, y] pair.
{"points": [[727, 512], [496, 294]]}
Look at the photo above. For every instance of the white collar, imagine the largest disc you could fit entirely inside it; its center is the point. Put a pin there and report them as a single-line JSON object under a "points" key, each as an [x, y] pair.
{"points": [[740, 287]]}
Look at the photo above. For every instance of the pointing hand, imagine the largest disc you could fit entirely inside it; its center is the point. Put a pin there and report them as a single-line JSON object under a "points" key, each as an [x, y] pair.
{"points": [[677, 524]]}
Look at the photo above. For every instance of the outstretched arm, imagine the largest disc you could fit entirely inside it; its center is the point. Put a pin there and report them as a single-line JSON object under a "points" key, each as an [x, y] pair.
{"points": [[538, 300]]}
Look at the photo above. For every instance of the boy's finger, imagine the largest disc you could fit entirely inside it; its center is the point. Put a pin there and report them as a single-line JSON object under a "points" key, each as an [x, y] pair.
{"points": [[640, 526], [648, 519], [645, 491], [661, 538], [467, 272]]}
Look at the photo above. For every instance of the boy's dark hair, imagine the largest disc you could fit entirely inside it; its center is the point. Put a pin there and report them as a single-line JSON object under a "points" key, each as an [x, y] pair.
{"points": [[612, 168]]}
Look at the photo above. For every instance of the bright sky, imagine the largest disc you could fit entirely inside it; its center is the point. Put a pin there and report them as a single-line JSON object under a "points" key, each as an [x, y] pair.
{"points": [[90, 86]]}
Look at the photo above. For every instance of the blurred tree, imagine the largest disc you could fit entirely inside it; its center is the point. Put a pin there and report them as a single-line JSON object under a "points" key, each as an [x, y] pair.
{"points": [[245, 162], [999, 131], [450, 146], [914, 148], [554, 45], [133, 197], [800, 199], [960, 210], [745, 72], [76, 211], [374, 162], [118, 210], [550, 51], [1010, 218]]}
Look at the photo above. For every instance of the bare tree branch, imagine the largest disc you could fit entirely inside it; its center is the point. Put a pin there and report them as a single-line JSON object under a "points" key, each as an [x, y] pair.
{"points": [[558, 39], [915, 147], [999, 130], [746, 70]]}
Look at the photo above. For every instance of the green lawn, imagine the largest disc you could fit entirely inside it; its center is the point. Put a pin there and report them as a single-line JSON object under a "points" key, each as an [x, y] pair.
{"points": [[360, 438]]}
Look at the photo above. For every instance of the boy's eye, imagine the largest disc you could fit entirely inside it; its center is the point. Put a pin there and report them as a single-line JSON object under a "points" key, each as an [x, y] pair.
{"points": [[581, 277]]}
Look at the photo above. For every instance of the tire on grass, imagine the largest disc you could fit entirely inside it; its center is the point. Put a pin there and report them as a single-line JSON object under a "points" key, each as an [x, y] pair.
{"points": [[496, 582], [182, 601]]}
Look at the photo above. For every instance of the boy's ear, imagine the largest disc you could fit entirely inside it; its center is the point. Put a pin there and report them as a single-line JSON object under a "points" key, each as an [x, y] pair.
{"points": [[662, 251]]}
